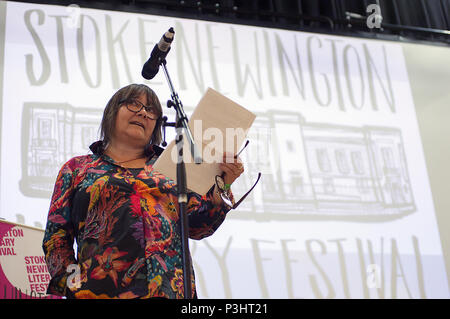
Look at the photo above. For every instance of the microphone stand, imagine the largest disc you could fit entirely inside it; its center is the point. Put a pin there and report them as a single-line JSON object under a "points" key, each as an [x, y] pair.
{"points": [[180, 124]]}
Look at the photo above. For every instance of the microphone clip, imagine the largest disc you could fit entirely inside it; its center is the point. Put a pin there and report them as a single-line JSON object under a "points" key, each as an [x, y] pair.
{"points": [[164, 125]]}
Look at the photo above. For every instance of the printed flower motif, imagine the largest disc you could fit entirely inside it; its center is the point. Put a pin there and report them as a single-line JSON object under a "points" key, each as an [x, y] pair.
{"points": [[61, 192], [59, 259], [154, 285], [148, 196], [57, 219], [100, 222], [87, 294], [128, 295], [138, 232], [142, 201], [95, 189], [125, 175], [167, 208], [149, 173], [83, 165], [132, 271], [135, 205], [177, 282], [109, 265]]}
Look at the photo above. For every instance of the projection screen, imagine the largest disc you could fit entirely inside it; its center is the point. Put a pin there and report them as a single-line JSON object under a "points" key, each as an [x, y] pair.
{"points": [[344, 208]]}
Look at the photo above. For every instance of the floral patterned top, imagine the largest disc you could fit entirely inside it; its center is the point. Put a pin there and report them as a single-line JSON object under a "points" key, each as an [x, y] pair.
{"points": [[125, 222]]}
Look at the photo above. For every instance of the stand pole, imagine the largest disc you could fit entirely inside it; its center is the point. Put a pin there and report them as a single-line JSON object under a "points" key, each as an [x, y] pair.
{"points": [[182, 202], [182, 123]]}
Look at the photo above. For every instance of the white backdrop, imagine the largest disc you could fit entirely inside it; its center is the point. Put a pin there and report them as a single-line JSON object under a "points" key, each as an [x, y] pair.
{"points": [[344, 208]]}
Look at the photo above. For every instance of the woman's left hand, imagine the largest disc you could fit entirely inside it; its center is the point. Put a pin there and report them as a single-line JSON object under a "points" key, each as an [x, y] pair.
{"points": [[232, 167]]}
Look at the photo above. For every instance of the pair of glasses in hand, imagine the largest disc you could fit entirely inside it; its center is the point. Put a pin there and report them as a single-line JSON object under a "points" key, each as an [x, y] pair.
{"points": [[224, 189]]}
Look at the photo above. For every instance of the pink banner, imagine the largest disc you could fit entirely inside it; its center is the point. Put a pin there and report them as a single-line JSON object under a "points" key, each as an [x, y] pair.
{"points": [[23, 271]]}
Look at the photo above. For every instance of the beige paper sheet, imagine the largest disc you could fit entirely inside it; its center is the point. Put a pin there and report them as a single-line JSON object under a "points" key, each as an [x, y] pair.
{"points": [[217, 124]]}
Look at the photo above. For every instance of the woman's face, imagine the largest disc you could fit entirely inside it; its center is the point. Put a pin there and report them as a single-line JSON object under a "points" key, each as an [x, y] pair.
{"points": [[134, 128]]}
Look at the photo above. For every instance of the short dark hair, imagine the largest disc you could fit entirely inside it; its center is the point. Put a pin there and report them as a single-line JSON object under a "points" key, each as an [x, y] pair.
{"points": [[131, 91]]}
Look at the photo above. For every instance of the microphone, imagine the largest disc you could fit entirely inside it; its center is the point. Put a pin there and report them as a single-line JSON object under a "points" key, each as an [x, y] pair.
{"points": [[159, 53]]}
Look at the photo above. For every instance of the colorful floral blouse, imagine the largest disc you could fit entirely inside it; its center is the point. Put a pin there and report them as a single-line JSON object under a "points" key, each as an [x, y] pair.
{"points": [[125, 222]]}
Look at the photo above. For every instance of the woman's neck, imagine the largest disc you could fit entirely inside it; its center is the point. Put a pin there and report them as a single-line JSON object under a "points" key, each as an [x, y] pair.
{"points": [[122, 152]]}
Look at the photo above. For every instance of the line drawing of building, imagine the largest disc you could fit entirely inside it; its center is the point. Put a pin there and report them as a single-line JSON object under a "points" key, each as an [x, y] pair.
{"points": [[331, 172], [52, 134], [311, 171]]}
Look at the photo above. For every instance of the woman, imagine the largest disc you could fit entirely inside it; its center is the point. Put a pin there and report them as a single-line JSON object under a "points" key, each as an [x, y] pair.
{"points": [[122, 213]]}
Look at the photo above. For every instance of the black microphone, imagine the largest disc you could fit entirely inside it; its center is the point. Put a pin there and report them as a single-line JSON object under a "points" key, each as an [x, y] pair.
{"points": [[159, 53]]}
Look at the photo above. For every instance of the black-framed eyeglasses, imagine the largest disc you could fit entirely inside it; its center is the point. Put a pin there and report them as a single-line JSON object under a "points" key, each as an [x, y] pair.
{"points": [[136, 106], [224, 189]]}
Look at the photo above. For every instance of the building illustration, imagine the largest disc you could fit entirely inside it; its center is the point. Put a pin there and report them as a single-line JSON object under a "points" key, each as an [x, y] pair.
{"points": [[311, 171]]}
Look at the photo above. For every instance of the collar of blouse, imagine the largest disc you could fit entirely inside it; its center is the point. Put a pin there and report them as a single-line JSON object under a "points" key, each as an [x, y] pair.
{"points": [[97, 148]]}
